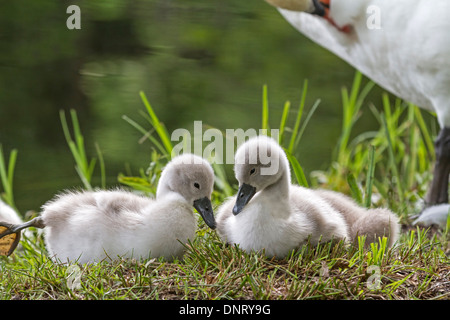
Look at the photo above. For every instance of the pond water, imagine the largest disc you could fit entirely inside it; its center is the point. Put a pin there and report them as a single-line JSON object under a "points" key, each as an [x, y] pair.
{"points": [[195, 60]]}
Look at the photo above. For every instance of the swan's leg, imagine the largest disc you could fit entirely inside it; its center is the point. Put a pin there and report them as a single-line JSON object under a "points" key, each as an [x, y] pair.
{"points": [[438, 192], [10, 234]]}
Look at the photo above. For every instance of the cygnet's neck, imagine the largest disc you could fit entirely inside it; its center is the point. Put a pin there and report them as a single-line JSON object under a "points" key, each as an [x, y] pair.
{"points": [[275, 197], [280, 188], [171, 200], [164, 191]]}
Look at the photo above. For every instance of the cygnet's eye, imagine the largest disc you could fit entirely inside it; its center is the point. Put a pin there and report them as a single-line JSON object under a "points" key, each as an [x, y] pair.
{"points": [[252, 171], [196, 185]]}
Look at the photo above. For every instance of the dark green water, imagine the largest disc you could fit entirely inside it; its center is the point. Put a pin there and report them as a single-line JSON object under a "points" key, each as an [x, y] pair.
{"points": [[195, 60]]}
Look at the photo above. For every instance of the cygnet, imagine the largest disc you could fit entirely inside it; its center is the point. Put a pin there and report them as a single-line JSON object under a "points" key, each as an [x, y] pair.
{"points": [[92, 226], [269, 213]]}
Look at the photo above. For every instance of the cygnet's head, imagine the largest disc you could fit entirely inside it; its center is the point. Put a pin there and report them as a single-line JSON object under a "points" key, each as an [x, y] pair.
{"points": [[192, 177], [259, 163], [310, 6]]}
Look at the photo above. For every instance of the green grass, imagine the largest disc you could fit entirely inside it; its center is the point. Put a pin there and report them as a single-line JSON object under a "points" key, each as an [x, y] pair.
{"points": [[7, 176], [83, 166], [416, 268], [392, 166]]}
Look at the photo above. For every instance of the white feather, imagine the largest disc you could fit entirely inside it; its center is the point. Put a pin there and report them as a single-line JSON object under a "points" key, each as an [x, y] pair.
{"points": [[408, 55], [435, 215]]}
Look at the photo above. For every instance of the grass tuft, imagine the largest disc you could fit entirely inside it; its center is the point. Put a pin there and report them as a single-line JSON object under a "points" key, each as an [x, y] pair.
{"points": [[7, 176], [83, 166], [415, 269]]}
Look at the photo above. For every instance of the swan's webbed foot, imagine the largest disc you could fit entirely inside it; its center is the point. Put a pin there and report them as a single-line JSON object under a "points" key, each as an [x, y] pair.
{"points": [[8, 239]]}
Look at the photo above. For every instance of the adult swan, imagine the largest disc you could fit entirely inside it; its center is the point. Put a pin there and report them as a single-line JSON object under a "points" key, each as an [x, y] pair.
{"points": [[402, 45]]}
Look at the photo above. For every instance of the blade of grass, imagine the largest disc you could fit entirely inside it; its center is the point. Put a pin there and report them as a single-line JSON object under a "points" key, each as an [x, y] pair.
{"points": [[284, 116], [392, 160], [425, 133], [411, 158], [356, 193], [265, 110], [7, 176], [299, 117], [83, 166], [159, 127], [146, 135], [305, 123], [102, 166], [351, 106], [370, 176], [298, 170], [221, 179], [79, 140]]}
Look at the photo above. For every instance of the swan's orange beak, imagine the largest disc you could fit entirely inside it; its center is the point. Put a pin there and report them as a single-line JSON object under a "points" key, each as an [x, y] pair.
{"points": [[323, 9]]}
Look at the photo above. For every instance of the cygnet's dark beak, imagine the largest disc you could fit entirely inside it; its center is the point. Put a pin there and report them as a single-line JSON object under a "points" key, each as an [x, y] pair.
{"points": [[204, 207], [244, 195]]}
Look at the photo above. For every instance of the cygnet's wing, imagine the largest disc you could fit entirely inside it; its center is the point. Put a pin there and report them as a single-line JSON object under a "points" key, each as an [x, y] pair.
{"points": [[325, 221], [349, 209], [85, 225], [102, 207], [372, 223]]}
